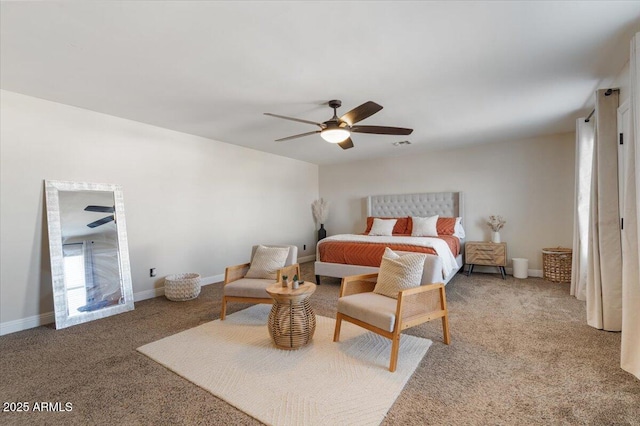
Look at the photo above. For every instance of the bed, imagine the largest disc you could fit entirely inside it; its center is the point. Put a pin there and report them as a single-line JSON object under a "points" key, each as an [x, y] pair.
{"points": [[339, 255]]}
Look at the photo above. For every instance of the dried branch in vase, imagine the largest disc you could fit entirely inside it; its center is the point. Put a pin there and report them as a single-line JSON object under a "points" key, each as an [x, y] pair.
{"points": [[496, 223], [320, 210]]}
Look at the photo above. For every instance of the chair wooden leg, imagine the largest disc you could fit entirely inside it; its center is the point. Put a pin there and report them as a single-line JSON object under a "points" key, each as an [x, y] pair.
{"points": [[223, 313], [336, 333], [445, 329], [395, 346], [445, 318]]}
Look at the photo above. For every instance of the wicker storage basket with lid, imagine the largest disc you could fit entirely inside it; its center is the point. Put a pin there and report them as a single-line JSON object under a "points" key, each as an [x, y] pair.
{"points": [[557, 264], [181, 287]]}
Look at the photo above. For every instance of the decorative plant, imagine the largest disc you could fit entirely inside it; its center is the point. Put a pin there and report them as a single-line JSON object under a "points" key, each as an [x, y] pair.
{"points": [[496, 223], [295, 278], [285, 278], [320, 210]]}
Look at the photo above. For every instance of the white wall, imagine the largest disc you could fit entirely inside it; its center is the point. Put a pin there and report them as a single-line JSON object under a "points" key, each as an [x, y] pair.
{"points": [[530, 183], [192, 204], [621, 82]]}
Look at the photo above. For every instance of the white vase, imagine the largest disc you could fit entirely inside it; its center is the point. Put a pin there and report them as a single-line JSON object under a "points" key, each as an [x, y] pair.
{"points": [[495, 237]]}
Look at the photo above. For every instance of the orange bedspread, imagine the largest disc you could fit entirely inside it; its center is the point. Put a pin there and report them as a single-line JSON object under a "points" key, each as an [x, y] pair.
{"points": [[370, 254]]}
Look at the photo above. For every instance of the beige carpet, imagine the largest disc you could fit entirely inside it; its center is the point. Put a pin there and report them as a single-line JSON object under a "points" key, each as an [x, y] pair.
{"points": [[521, 354], [324, 383]]}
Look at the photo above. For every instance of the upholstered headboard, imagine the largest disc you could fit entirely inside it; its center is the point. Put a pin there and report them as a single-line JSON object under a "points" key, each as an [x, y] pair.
{"points": [[449, 204]]}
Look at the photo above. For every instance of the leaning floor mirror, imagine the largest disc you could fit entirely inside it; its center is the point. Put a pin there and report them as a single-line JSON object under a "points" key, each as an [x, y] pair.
{"points": [[89, 253]]}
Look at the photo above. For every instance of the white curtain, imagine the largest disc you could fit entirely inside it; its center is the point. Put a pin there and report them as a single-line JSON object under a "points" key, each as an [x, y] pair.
{"points": [[585, 134], [630, 346], [604, 271]]}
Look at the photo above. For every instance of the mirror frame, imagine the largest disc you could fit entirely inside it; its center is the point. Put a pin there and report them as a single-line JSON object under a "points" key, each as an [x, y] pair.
{"points": [[63, 319]]}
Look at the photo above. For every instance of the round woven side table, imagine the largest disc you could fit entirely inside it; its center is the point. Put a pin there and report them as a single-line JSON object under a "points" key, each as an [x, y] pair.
{"points": [[182, 287], [292, 320]]}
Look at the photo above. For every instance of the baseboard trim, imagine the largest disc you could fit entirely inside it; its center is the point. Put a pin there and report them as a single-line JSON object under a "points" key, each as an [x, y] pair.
{"points": [[533, 273], [159, 291], [22, 324], [212, 279], [309, 258], [148, 294]]}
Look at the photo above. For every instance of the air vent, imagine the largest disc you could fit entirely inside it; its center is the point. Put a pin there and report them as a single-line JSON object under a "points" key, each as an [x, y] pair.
{"points": [[401, 143]]}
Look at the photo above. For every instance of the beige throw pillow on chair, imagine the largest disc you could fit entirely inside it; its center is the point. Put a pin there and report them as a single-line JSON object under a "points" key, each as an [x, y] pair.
{"points": [[399, 273], [267, 261]]}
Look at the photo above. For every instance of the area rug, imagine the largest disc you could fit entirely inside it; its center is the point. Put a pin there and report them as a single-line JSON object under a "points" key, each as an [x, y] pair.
{"points": [[323, 383]]}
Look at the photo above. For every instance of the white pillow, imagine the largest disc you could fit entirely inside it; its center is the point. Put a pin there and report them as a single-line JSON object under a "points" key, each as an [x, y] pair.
{"points": [[382, 226], [399, 273], [458, 231], [424, 226], [266, 262]]}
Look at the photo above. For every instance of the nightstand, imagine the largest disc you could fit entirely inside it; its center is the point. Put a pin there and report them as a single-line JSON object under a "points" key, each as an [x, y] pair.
{"points": [[486, 254]]}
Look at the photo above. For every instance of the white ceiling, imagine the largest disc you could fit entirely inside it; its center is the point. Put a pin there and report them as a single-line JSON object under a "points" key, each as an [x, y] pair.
{"points": [[458, 73]]}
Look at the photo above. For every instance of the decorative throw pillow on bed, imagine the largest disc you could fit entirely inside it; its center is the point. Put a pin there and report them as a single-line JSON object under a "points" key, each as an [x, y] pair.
{"points": [[266, 262], [382, 226], [424, 226], [446, 225], [400, 227], [399, 273], [450, 226]]}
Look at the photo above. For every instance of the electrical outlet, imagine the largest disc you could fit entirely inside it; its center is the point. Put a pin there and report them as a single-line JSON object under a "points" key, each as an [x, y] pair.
{"points": [[152, 272]]}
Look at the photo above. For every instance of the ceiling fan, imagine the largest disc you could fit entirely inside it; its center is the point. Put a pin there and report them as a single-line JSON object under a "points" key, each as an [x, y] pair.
{"points": [[338, 129], [101, 209]]}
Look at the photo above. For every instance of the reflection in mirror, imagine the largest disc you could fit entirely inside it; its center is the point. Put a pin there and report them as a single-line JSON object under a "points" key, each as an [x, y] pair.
{"points": [[89, 254]]}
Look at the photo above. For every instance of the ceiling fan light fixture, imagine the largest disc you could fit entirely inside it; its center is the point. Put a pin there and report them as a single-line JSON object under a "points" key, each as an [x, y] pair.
{"points": [[335, 135], [337, 130]]}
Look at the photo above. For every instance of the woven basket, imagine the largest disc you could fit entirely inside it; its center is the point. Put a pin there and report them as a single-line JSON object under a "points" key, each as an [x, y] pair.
{"points": [[181, 287], [557, 264]]}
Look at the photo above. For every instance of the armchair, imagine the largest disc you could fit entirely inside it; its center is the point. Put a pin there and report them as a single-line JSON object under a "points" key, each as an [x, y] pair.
{"points": [[383, 315], [239, 288]]}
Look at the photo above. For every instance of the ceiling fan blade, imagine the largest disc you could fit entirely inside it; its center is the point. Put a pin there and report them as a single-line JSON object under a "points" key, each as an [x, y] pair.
{"points": [[361, 112], [100, 209], [381, 130], [293, 119], [346, 144], [101, 221], [298, 136]]}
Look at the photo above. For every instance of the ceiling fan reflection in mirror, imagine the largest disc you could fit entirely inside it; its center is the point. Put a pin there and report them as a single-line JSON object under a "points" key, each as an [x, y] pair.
{"points": [[101, 209], [338, 130]]}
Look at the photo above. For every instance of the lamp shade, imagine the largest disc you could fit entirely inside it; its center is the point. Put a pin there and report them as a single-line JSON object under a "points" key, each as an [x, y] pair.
{"points": [[335, 135]]}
